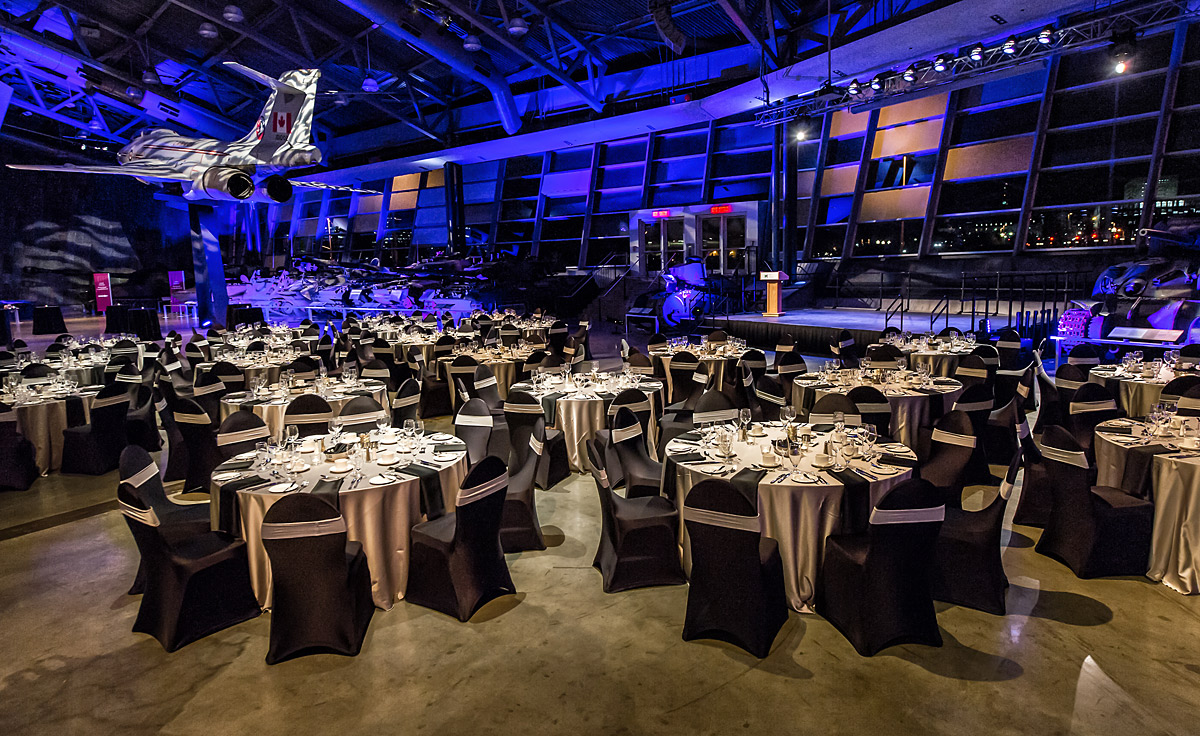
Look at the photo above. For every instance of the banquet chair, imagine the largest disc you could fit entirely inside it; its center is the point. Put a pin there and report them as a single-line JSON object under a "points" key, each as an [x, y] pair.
{"points": [[113, 368], [194, 586], [240, 432], [1177, 387], [1085, 355], [557, 337], [712, 406], [640, 364], [457, 561], [643, 474], [522, 408], [639, 537], [1008, 347], [95, 448], [755, 360], [435, 393], [230, 375], [844, 350], [977, 403], [531, 365], [657, 341], [989, 355], [406, 402], [637, 402], [735, 591], [575, 354], [874, 588], [743, 391], [509, 336], [1092, 405], [768, 395], [973, 371], [256, 346], [683, 365], [1050, 410], [320, 582], [1000, 438], [310, 413], [126, 349], [483, 386], [197, 350], [361, 414], [7, 358], [520, 530], [949, 331], [54, 349], [785, 345], [886, 357], [39, 373], [873, 408], [1067, 380], [377, 370], [787, 367], [473, 424], [890, 331], [174, 458], [181, 380], [824, 412], [199, 432], [968, 568], [141, 419], [18, 457], [689, 387], [1094, 530], [324, 351], [180, 520], [208, 392], [553, 364], [952, 444], [302, 369]]}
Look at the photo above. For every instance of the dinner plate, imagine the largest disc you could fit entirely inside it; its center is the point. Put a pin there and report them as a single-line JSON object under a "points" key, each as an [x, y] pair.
{"points": [[282, 487], [442, 437], [339, 472], [245, 455], [381, 480], [228, 475]]}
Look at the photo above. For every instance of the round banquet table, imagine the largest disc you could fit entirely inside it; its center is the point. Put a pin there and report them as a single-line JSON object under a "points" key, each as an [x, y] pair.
{"points": [[272, 409], [912, 408], [86, 374], [798, 513], [715, 363], [1134, 394], [268, 368], [43, 419], [380, 517], [504, 368], [581, 414], [941, 363], [1159, 471]]}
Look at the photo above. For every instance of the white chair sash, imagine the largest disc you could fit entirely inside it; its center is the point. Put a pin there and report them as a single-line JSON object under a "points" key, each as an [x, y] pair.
{"points": [[128, 379], [723, 520], [100, 403], [1023, 389], [1083, 407], [683, 366], [468, 495], [974, 406], [473, 420], [614, 407], [950, 438], [1012, 371], [210, 389], [1082, 361], [173, 366], [972, 372], [318, 418], [376, 373], [1189, 402], [144, 516], [641, 370], [557, 331], [8, 416], [400, 401], [753, 364], [787, 370], [302, 529], [485, 383], [516, 408], [1076, 458], [1068, 385], [139, 478], [884, 408], [699, 377], [536, 446], [772, 398], [719, 415], [182, 418], [1008, 345], [621, 434], [748, 380], [244, 435], [990, 359], [367, 416], [784, 348], [199, 343], [852, 420], [908, 516]]}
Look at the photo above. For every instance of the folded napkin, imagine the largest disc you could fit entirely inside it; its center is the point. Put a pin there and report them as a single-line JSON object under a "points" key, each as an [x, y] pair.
{"points": [[432, 504], [746, 482], [550, 406], [823, 428], [75, 413], [945, 381], [856, 500], [937, 401], [450, 447], [233, 465], [688, 457], [1138, 462], [328, 488], [693, 436], [898, 461], [228, 515], [1123, 429]]}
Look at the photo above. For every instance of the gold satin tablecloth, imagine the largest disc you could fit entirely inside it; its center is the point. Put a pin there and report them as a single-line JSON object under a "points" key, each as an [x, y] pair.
{"points": [[797, 515], [378, 517], [42, 423], [504, 369], [1136, 395], [273, 412], [910, 408], [715, 364]]}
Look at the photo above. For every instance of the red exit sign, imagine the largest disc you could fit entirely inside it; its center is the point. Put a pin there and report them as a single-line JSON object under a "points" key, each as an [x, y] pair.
{"points": [[720, 209], [660, 213]]}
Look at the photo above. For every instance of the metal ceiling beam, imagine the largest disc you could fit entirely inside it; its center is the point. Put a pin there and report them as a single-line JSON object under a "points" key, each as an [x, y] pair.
{"points": [[567, 30], [743, 26], [501, 37]]}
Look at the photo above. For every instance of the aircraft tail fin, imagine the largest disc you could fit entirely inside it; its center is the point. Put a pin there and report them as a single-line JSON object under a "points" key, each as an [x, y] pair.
{"points": [[286, 119]]}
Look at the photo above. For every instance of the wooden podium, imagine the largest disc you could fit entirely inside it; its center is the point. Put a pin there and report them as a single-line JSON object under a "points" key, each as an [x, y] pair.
{"points": [[774, 280]]}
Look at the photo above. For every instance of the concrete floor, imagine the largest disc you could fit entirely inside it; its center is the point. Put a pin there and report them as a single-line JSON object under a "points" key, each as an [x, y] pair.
{"points": [[1112, 656]]}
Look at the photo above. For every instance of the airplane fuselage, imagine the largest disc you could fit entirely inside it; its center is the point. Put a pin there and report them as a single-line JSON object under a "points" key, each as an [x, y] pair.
{"points": [[192, 156]]}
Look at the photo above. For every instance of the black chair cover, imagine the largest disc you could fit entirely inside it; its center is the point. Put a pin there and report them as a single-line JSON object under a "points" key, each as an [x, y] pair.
{"points": [[197, 428], [18, 465], [643, 474], [522, 407], [520, 530], [310, 413], [95, 449]]}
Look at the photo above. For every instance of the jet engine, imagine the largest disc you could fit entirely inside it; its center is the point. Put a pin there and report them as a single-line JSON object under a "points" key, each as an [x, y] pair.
{"points": [[274, 189], [222, 183]]}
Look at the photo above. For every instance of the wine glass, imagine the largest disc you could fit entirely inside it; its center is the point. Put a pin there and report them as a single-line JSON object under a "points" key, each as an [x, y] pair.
{"points": [[744, 417], [410, 427], [292, 433], [787, 414], [383, 424], [839, 422], [336, 425]]}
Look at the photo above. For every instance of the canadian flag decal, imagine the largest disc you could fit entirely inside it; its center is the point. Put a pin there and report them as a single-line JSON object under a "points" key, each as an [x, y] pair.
{"points": [[281, 122]]}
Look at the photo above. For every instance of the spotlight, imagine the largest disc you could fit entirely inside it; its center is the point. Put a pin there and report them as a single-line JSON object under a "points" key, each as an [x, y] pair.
{"points": [[443, 19], [1120, 67], [207, 30], [83, 146], [472, 43], [150, 78], [233, 14], [370, 84], [977, 52], [801, 134], [95, 124], [1046, 36], [942, 63], [206, 323], [910, 74], [877, 82], [1010, 45], [1124, 46], [517, 27], [855, 87]]}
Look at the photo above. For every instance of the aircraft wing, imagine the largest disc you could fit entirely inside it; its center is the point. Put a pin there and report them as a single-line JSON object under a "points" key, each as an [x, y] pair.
{"points": [[318, 185], [146, 172]]}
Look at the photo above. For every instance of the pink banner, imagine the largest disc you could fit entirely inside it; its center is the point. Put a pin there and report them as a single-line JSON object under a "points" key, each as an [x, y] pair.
{"points": [[177, 283], [104, 298]]}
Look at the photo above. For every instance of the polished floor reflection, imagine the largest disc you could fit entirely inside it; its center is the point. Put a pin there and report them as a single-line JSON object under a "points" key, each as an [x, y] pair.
{"points": [[1114, 656]]}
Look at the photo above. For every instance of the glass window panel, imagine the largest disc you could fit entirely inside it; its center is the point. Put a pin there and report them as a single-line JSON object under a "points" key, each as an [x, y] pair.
{"points": [[901, 171], [844, 151], [1187, 89], [682, 145], [1004, 89], [622, 176], [1078, 146], [310, 209], [806, 154], [600, 249], [521, 209], [1093, 184], [1184, 131], [982, 195], [579, 158], [1180, 176], [1135, 138], [974, 234], [401, 219], [898, 237], [1084, 106], [834, 209], [1164, 208], [827, 241], [604, 226], [738, 164], [710, 242], [623, 152], [990, 124], [652, 245], [566, 228], [1141, 95], [1084, 227], [521, 188], [339, 207]]}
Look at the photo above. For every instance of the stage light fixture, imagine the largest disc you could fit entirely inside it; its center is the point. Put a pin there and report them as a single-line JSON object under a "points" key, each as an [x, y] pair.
{"points": [[910, 74], [1124, 46], [517, 27], [977, 52], [370, 84], [942, 63], [801, 134], [1046, 36], [877, 82], [95, 124], [150, 77], [233, 14], [1010, 45], [472, 43], [855, 87], [207, 30]]}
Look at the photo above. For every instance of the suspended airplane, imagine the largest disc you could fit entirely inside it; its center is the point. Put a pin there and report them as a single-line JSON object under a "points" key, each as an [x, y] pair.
{"points": [[245, 170]]}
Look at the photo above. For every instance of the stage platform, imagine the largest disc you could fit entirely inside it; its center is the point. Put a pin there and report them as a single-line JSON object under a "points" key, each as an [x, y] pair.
{"points": [[813, 329]]}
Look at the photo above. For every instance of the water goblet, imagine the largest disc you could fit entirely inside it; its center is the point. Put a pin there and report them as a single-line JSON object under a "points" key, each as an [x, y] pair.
{"points": [[787, 414], [292, 433]]}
